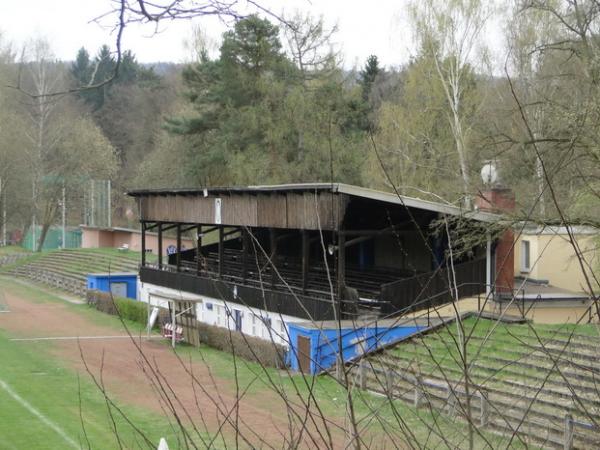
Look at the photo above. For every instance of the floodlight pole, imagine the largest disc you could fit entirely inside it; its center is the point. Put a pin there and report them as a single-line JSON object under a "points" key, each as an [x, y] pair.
{"points": [[64, 217]]}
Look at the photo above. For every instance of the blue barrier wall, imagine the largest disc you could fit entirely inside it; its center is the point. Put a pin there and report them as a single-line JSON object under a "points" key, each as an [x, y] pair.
{"points": [[356, 341], [119, 283]]}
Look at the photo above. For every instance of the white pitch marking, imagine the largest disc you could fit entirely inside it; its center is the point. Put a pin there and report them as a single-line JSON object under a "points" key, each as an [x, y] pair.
{"points": [[74, 338], [38, 414]]}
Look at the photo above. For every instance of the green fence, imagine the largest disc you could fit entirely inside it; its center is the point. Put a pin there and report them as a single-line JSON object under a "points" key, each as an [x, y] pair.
{"points": [[53, 238]]}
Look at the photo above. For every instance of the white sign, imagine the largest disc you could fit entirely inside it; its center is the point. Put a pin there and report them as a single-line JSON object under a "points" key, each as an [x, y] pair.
{"points": [[217, 211]]}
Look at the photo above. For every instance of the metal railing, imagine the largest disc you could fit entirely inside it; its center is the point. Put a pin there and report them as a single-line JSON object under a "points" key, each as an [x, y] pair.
{"points": [[435, 288]]}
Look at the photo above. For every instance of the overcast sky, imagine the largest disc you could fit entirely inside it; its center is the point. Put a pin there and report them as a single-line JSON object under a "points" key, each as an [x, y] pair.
{"points": [[378, 27]]}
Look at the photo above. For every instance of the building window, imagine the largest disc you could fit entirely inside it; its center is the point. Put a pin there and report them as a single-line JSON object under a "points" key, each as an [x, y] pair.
{"points": [[209, 306], [525, 256], [219, 309], [253, 325], [282, 333]]}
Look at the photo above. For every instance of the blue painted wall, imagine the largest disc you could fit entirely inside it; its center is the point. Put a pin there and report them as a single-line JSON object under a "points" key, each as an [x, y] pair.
{"points": [[355, 342], [102, 282]]}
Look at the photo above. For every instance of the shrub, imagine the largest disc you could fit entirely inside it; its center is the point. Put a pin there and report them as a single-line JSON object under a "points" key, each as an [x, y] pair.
{"points": [[251, 348], [132, 310], [125, 307]]}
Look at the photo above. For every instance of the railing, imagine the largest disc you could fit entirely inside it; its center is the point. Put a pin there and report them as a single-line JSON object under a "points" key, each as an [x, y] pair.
{"points": [[256, 297], [434, 288], [422, 390], [571, 430], [13, 258]]}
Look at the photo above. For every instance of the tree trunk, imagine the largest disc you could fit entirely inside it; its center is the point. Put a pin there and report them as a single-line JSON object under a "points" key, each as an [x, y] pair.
{"points": [[44, 232]]}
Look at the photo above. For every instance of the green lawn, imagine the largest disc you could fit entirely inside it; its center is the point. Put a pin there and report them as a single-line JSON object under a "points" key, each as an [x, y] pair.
{"points": [[62, 402], [12, 249], [52, 389], [379, 419]]}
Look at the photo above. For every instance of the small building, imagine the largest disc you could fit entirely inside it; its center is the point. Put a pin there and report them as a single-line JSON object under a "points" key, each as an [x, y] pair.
{"points": [[318, 343], [317, 252], [120, 284], [545, 255], [116, 237]]}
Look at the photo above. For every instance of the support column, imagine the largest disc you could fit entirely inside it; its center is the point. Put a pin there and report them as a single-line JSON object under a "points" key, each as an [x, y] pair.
{"points": [[244, 254], [178, 255], [199, 249], [305, 260], [160, 245], [341, 265], [143, 243], [221, 250], [273, 239], [173, 324]]}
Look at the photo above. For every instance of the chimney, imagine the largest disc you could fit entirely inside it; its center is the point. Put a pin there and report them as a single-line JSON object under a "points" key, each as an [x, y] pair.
{"points": [[499, 200]]}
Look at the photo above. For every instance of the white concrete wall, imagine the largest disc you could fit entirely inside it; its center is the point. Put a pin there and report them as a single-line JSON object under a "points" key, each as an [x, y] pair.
{"points": [[255, 322]]}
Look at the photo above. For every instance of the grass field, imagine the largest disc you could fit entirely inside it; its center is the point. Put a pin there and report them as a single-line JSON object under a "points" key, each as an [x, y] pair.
{"points": [[47, 405], [56, 392], [12, 249]]}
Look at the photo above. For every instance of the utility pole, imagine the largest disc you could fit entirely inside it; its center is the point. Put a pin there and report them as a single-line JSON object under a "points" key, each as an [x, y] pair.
{"points": [[3, 199], [92, 218], [109, 205], [33, 246], [4, 218]]}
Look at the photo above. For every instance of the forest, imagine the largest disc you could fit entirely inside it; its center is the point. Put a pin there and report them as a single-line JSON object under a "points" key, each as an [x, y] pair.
{"points": [[276, 104]]}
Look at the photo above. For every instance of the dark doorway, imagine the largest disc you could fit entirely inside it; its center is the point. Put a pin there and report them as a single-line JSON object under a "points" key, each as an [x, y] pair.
{"points": [[237, 317]]}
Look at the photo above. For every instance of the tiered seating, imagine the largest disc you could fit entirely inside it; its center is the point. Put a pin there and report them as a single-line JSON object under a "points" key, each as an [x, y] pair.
{"points": [[67, 269], [259, 271], [532, 379]]}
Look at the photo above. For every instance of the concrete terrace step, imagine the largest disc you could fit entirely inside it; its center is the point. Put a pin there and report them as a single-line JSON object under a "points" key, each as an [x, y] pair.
{"points": [[436, 399], [88, 257], [498, 370], [39, 272], [541, 400], [83, 266], [50, 270], [56, 281], [583, 358], [514, 416], [538, 406], [583, 377]]}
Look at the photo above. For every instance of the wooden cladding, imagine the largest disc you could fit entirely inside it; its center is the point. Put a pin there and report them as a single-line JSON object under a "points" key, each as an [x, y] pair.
{"points": [[306, 210]]}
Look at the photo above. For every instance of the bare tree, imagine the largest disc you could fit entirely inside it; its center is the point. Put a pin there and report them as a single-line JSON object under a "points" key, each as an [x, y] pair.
{"points": [[451, 32]]}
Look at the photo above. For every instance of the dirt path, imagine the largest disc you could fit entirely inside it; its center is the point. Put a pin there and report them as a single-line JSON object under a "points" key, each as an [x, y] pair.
{"points": [[137, 371]]}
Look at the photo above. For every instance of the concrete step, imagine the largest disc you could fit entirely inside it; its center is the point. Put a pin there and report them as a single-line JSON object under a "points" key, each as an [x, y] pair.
{"points": [[506, 413]]}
